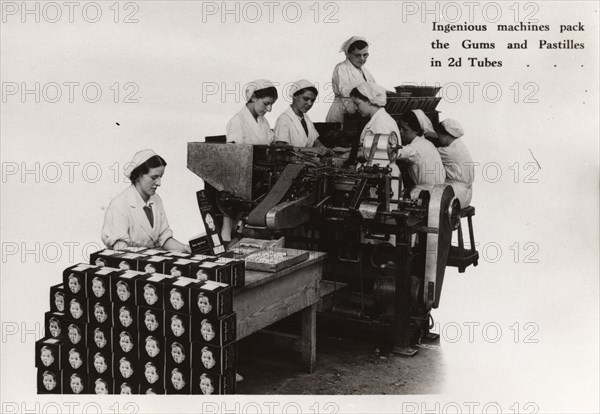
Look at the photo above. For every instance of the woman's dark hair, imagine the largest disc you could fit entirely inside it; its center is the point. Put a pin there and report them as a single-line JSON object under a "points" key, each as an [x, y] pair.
{"points": [[270, 92], [152, 162], [354, 93], [309, 89], [358, 45], [413, 122]]}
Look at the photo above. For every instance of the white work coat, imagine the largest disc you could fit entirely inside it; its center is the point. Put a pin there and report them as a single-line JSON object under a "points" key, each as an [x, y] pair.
{"points": [[244, 129], [289, 129], [459, 170], [126, 220], [425, 164], [345, 77]]}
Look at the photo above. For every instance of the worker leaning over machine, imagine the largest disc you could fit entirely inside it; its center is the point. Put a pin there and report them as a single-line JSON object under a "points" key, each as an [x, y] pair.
{"points": [[422, 158], [457, 160], [347, 75], [293, 126], [249, 126], [136, 217]]}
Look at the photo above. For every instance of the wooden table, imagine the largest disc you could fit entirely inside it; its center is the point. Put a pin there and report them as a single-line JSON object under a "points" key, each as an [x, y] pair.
{"points": [[269, 297]]}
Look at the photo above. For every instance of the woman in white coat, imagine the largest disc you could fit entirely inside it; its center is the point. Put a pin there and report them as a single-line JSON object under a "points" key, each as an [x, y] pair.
{"points": [[136, 217], [347, 75], [249, 126], [293, 126]]}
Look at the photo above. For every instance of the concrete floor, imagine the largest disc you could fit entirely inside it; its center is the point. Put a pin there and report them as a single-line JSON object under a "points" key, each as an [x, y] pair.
{"points": [[360, 363]]}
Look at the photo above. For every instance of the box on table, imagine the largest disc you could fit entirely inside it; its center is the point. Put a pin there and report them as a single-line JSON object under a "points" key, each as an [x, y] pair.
{"points": [[49, 381], [151, 321], [127, 261], [57, 298], [201, 245], [152, 376], [74, 357], [54, 325], [238, 270], [178, 354], [105, 257], [211, 300], [75, 381], [76, 308], [126, 368], [122, 287], [177, 255], [126, 387], [219, 332], [125, 316], [178, 295], [178, 326], [100, 384], [180, 267], [75, 333], [214, 359], [213, 271], [74, 278], [125, 342], [48, 354], [152, 348], [150, 290], [98, 283], [206, 383], [99, 337], [100, 312], [154, 264], [178, 380], [100, 363]]}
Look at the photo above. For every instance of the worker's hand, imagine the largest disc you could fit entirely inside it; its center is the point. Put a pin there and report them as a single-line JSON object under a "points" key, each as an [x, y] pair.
{"points": [[341, 150]]}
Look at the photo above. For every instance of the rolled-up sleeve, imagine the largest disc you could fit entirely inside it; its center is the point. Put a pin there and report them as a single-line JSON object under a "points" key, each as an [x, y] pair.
{"points": [[116, 225]]}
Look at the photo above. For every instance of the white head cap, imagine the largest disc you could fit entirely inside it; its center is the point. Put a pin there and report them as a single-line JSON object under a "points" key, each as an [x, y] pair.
{"points": [[346, 45], [138, 159], [299, 85], [424, 121], [453, 127], [377, 94], [257, 85]]}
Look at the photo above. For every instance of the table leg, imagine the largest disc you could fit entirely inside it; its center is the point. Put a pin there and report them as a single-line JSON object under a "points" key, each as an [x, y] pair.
{"points": [[308, 338]]}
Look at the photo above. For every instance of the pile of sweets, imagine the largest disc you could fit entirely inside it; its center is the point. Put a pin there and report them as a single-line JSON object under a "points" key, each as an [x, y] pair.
{"points": [[141, 321]]}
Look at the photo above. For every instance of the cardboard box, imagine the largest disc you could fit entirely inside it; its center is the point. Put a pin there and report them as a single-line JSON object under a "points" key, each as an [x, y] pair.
{"points": [[238, 270], [177, 255], [153, 375], [126, 368], [122, 287], [75, 382], [48, 354], [125, 342], [214, 271], [49, 381], [177, 326], [180, 268], [150, 290], [100, 362], [214, 359], [218, 332], [76, 308], [178, 354], [125, 317], [100, 312], [75, 333], [152, 348], [127, 261], [99, 337], [98, 283], [146, 389], [75, 357], [100, 384], [74, 278], [126, 387], [178, 295], [211, 299], [154, 264], [151, 321], [178, 380], [200, 245], [208, 384], [54, 325], [104, 257], [57, 298]]}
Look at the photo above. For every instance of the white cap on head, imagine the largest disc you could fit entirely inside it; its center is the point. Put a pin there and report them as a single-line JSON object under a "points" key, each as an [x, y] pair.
{"points": [[453, 127], [346, 45], [424, 121], [376, 94], [139, 158], [301, 84], [257, 85]]}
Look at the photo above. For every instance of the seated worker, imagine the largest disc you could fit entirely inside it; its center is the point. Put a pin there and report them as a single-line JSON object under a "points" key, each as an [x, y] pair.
{"points": [[293, 126], [136, 217], [457, 160], [424, 162], [347, 75], [249, 126]]}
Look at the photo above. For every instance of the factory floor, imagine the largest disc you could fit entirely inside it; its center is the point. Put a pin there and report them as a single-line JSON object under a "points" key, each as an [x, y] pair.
{"points": [[347, 363]]}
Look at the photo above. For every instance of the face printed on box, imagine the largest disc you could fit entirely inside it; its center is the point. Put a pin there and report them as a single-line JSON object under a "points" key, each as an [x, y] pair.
{"points": [[100, 262], [101, 387], [201, 275], [152, 347], [123, 291], [150, 295], [75, 358], [75, 309], [204, 304], [207, 358], [74, 334], [74, 284], [125, 368], [46, 356], [76, 384], [206, 385], [100, 313], [99, 338], [125, 317], [124, 265], [176, 299], [177, 326], [150, 268], [54, 327], [59, 301], [177, 379], [175, 271], [207, 330], [98, 287], [100, 363], [49, 381], [125, 342], [210, 222], [125, 389], [150, 373], [150, 321], [177, 353]]}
